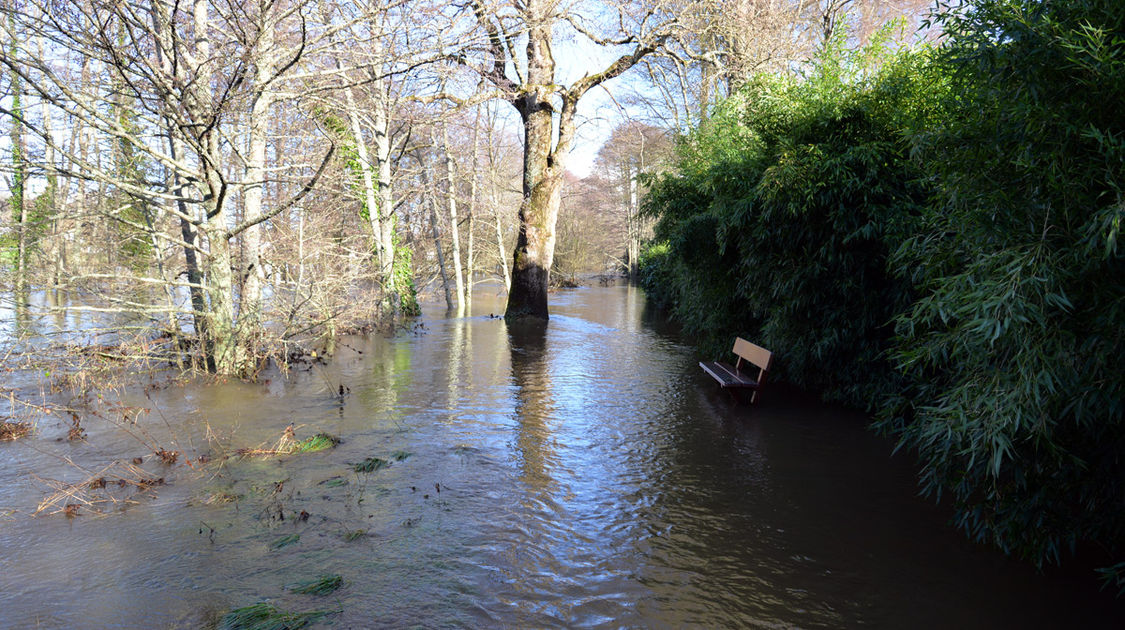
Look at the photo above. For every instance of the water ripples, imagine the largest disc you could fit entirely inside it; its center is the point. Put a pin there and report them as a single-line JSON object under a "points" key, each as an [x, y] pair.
{"points": [[577, 474]]}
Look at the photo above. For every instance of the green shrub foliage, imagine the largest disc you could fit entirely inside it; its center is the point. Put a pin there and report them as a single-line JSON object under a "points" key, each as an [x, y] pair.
{"points": [[784, 208], [934, 235], [1015, 345]]}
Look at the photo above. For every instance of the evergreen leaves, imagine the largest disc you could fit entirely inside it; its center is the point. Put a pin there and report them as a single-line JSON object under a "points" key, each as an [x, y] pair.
{"points": [[933, 235]]}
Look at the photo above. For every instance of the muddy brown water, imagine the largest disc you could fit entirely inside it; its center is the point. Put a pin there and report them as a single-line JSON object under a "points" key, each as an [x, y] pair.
{"points": [[582, 473]]}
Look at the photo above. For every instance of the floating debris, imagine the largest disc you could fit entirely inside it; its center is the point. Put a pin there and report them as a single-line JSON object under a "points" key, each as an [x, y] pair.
{"points": [[264, 616], [285, 541], [222, 497], [14, 430], [94, 492], [168, 457], [399, 456], [322, 585], [335, 482]]}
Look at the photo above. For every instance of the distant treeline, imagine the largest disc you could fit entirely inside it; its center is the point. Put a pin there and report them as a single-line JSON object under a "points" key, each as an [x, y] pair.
{"points": [[932, 234]]}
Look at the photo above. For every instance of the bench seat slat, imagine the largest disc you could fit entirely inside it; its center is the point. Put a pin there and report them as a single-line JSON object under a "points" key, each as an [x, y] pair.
{"points": [[727, 375]]}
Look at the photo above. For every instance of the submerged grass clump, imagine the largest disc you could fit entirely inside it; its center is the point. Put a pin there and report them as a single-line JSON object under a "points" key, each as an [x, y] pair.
{"points": [[322, 585], [14, 430], [398, 456], [222, 496], [263, 616], [285, 541], [334, 482], [290, 445], [354, 534], [369, 465], [318, 442]]}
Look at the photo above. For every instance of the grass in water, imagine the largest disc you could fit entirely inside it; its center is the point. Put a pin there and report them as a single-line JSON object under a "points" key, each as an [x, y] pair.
{"points": [[355, 534], [371, 464], [322, 585], [318, 442], [263, 616], [334, 482], [398, 456], [285, 541], [289, 444], [221, 496]]}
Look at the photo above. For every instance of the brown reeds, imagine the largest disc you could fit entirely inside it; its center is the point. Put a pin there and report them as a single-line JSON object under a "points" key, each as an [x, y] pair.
{"points": [[115, 484]]}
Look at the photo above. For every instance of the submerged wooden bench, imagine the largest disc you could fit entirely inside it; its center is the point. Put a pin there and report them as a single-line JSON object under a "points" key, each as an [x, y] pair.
{"points": [[733, 377]]}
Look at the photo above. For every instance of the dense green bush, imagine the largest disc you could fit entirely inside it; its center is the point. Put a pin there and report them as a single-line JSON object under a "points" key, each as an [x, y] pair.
{"points": [[1016, 347], [783, 210], [971, 198]]}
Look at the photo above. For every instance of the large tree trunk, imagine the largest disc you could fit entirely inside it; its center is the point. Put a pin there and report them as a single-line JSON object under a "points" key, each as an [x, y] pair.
{"points": [[220, 337], [226, 354], [543, 164], [539, 211], [542, 174]]}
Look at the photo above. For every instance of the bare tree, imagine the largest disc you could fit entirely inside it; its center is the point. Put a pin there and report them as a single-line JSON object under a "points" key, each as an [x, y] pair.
{"points": [[548, 110], [177, 74], [18, 158], [632, 150]]}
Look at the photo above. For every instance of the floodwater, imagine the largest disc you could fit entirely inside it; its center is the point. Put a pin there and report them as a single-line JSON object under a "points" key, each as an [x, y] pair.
{"points": [[581, 473]]}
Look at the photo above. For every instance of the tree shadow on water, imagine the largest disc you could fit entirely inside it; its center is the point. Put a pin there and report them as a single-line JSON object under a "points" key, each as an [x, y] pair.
{"points": [[535, 408]]}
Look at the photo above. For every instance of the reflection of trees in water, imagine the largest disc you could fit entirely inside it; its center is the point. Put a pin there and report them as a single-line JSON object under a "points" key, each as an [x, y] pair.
{"points": [[460, 359], [527, 342]]}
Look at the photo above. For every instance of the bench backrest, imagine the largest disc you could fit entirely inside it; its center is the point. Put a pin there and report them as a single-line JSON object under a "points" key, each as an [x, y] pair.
{"points": [[756, 355]]}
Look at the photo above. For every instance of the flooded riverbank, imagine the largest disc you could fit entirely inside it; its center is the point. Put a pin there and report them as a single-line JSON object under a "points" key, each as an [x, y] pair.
{"points": [[582, 473]]}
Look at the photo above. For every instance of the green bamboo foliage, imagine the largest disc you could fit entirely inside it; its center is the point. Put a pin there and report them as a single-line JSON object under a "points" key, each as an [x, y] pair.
{"points": [[787, 202], [1016, 345], [935, 236]]}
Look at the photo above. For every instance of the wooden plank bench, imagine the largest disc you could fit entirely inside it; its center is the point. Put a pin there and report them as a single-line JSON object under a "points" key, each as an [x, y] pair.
{"points": [[732, 377]]}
